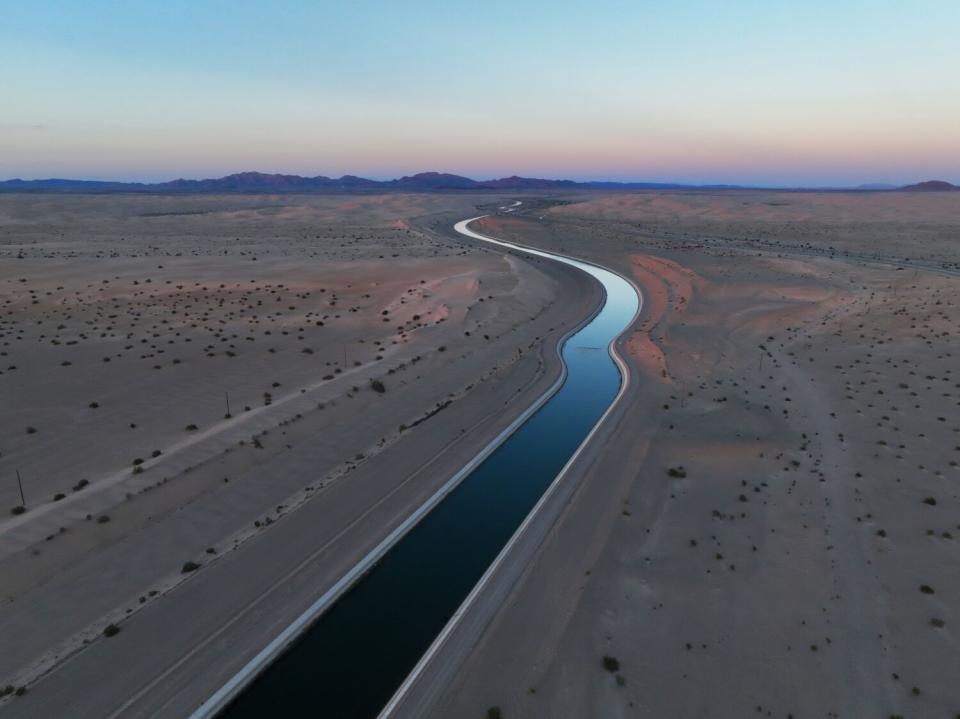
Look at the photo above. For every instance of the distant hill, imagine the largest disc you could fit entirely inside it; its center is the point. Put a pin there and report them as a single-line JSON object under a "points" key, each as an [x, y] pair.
{"points": [[931, 186], [263, 182]]}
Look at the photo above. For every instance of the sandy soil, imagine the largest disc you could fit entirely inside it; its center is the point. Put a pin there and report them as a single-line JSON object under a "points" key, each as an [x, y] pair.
{"points": [[771, 526], [125, 323]]}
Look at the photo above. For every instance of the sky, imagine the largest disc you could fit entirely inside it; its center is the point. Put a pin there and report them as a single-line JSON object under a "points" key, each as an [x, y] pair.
{"points": [[761, 92]]}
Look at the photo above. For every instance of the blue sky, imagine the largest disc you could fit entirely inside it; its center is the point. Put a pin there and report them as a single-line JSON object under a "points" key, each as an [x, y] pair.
{"points": [[739, 91]]}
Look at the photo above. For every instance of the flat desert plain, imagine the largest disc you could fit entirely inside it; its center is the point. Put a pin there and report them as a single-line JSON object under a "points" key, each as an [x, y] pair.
{"points": [[202, 395], [771, 525], [766, 525]]}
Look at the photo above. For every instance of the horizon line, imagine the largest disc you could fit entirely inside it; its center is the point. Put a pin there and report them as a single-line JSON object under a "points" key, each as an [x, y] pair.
{"points": [[867, 185]]}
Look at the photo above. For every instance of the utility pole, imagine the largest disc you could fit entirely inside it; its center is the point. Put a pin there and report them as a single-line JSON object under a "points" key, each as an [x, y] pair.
{"points": [[227, 397], [23, 502]]}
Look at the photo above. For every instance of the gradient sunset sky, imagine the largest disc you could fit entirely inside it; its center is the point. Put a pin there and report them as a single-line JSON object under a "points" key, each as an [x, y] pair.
{"points": [[743, 91]]}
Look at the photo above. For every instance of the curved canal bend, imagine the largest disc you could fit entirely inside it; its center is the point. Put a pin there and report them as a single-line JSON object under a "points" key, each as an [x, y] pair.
{"points": [[352, 659]]}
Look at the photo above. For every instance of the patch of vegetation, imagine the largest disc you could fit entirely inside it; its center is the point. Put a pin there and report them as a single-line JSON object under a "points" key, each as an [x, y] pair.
{"points": [[677, 472], [188, 567], [377, 386], [611, 664], [111, 630]]}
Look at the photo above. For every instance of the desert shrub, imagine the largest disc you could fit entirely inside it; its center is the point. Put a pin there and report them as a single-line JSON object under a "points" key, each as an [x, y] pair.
{"points": [[677, 472], [377, 386], [111, 630], [80, 485], [191, 428], [31, 430], [19, 509], [611, 664], [494, 713], [188, 567], [926, 589]]}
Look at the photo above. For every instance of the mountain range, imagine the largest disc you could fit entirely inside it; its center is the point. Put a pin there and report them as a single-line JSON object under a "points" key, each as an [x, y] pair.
{"points": [[262, 182], [421, 182]]}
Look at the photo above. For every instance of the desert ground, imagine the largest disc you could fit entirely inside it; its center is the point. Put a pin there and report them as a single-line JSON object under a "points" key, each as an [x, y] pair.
{"points": [[767, 525], [770, 525], [217, 404]]}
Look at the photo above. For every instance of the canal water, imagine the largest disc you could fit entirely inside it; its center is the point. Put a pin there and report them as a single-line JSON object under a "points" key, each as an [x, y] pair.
{"points": [[353, 658]]}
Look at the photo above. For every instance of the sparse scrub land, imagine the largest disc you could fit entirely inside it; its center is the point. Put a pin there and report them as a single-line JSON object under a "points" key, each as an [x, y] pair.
{"points": [[810, 390], [798, 353], [150, 326]]}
